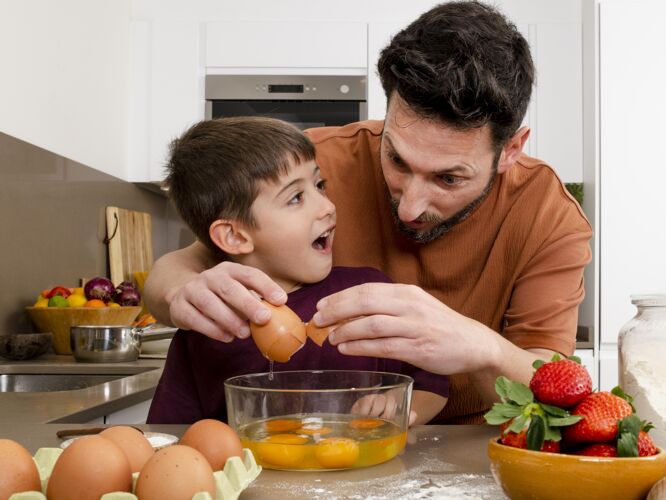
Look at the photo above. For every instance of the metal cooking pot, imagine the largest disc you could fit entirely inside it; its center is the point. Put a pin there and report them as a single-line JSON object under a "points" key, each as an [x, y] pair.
{"points": [[113, 344]]}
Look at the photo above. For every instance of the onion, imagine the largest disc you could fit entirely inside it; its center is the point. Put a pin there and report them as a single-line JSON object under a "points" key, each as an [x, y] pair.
{"points": [[99, 288], [128, 297]]}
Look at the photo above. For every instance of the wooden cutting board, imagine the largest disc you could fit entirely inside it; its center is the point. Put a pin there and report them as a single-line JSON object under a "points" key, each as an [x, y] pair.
{"points": [[130, 239]]}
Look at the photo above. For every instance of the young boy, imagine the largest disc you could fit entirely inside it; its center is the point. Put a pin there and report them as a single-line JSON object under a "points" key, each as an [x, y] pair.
{"points": [[249, 188]]}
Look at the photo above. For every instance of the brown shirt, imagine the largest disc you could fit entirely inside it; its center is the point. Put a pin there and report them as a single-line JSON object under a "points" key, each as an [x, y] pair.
{"points": [[515, 264]]}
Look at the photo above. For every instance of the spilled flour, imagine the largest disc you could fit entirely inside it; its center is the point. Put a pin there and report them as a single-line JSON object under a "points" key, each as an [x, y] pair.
{"points": [[431, 479]]}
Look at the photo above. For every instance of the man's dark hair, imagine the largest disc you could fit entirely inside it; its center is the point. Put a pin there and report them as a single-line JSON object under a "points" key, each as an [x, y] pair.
{"points": [[462, 63], [214, 168]]}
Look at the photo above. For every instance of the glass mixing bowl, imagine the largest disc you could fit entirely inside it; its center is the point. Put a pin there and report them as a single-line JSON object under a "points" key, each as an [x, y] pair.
{"points": [[320, 420]]}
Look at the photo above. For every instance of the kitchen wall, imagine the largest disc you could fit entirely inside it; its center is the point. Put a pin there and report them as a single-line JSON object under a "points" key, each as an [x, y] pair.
{"points": [[52, 224]]}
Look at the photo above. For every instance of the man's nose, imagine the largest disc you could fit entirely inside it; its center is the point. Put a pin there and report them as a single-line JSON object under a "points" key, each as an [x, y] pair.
{"points": [[413, 201]]}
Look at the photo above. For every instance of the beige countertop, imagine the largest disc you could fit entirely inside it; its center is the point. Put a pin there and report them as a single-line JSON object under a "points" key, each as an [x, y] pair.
{"points": [[440, 462], [136, 383]]}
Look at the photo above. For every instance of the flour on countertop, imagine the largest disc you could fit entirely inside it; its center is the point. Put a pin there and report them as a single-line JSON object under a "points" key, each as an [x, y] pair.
{"points": [[432, 479]]}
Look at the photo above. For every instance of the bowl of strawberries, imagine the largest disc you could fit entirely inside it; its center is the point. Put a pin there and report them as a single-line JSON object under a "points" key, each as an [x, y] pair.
{"points": [[560, 439]]}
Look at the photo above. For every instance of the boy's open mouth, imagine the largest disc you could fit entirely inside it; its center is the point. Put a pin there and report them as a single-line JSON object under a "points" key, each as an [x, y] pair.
{"points": [[324, 242]]}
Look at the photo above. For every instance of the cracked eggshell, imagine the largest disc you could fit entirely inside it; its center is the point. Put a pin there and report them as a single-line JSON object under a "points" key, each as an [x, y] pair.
{"points": [[282, 336]]}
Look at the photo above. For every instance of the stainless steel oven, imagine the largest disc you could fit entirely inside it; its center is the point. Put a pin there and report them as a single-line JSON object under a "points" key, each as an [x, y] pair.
{"points": [[305, 101]]}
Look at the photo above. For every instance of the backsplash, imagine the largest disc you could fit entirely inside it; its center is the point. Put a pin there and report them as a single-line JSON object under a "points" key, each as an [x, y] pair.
{"points": [[52, 223]]}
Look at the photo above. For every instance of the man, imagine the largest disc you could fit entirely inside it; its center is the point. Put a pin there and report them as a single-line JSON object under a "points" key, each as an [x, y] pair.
{"points": [[487, 246]]}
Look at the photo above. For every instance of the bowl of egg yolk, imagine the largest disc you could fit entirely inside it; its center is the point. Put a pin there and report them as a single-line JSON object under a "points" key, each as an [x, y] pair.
{"points": [[320, 420]]}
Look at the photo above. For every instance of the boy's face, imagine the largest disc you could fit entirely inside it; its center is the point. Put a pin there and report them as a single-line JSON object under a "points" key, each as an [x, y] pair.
{"points": [[295, 223]]}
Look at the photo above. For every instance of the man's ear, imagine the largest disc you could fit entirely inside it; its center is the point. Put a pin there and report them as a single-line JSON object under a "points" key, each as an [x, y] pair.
{"points": [[512, 150], [230, 237]]}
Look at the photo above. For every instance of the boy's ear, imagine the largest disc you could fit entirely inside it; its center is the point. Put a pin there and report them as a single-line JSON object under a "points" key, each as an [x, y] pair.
{"points": [[513, 149], [230, 237]]}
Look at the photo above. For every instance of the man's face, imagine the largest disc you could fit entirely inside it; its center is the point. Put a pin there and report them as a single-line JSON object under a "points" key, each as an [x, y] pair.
{"points": [[436, 175], [295, 224]]}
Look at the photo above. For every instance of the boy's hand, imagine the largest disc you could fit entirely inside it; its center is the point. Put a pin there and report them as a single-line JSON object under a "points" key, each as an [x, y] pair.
{"points": [[379, 405], [219, 301]]}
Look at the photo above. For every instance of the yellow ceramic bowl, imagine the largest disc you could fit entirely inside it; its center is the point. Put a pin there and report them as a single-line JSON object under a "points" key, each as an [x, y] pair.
{"points": [[540, 475], [59, 320]]}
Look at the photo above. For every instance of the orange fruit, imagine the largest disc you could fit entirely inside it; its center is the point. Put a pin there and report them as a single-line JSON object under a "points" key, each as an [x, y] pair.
{"points": [[94, 303]]}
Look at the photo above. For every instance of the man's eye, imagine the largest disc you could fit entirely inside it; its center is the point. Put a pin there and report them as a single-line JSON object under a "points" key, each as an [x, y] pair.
{"points": [[296, 199], [395, 159], [450, 180]]}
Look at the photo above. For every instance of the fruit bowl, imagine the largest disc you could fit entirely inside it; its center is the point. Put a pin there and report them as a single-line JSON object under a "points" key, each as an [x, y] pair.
{"points": [[526, 474], [320, 420], [60, 319]]}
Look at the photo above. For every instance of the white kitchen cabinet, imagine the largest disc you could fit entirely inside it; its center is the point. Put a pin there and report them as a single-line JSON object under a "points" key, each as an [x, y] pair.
{"points": [[65, 78], [632, 175], [244, 45]]}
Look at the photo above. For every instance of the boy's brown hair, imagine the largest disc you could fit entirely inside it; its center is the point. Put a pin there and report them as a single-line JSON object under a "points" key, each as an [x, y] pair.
{"points": [[214, 168]]}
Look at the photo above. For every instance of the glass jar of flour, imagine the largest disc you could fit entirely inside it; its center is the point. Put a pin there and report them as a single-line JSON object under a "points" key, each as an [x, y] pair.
{"points": [[642, 361]]}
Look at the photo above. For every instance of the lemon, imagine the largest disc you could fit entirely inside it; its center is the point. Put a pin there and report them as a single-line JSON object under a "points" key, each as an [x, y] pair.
{"points": [[76, 300], [113, 304], [42, 302], [78, 291]]}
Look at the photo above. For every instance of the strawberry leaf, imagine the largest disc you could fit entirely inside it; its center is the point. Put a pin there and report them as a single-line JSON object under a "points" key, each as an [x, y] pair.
{"points": [[627, 441], [627, 445], [501, 387], [617, 390], [519, 393], [564, 421], [536, 433], [575, 358], [552, 433], [501, 412], [556, 357], [538, 364], [519, 423], [554, 410], [646, 426]]}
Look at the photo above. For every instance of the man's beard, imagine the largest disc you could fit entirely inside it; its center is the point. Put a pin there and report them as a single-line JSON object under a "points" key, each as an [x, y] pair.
{"points": [[442, 226]]}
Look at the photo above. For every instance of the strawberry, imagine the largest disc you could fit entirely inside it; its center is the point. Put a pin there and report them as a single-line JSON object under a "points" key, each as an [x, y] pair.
{"points": [[598, 450], [519, 439], [601, 412], [562, 383], [646, 446]]}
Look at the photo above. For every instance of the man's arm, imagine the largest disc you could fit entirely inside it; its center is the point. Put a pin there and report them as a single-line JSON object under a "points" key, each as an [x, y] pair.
{"points": [[426, 405], [185, 291], [162, 284]]}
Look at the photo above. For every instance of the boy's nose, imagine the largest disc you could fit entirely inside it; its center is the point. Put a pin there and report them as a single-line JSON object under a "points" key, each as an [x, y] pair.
{"points": [[327, 207]]}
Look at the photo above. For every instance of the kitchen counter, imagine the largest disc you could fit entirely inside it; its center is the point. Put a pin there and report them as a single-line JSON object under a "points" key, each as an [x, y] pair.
{"points": [[441, 462], [136, 383]]}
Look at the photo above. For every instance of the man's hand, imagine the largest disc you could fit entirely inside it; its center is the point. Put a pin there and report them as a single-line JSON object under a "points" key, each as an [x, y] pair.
{"points": [[219, 301], [404, 322]]}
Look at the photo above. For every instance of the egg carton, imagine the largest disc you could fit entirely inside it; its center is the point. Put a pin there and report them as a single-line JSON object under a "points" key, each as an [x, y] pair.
{"points": [[237, 475]]}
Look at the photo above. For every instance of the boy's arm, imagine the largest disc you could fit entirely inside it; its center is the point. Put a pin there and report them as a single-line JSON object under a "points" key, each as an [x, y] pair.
{"points": [[426, 405]]}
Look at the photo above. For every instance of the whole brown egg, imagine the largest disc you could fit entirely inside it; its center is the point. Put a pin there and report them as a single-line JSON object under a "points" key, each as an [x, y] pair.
{"points": [[215, 440], [88, 468], [18, 472], [175, 473], [282, 336], [134, 444]]}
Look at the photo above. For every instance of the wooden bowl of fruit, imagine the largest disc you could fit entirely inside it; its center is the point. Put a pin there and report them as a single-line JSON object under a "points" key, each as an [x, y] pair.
{"points": [[98, 303], [559, 439]]}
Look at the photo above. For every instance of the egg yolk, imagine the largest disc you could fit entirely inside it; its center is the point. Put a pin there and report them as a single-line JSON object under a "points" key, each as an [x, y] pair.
{"points": [[282, 450], [337, 452], [283, 425], [366, 423], [314, 431]]}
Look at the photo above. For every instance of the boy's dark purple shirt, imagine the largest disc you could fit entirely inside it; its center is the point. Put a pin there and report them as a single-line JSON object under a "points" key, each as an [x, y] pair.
{"points": [[192, 384]]}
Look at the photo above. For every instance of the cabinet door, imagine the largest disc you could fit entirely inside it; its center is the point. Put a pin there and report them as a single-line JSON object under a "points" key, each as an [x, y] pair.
{"points": [[632, 107], [286, 44]]}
